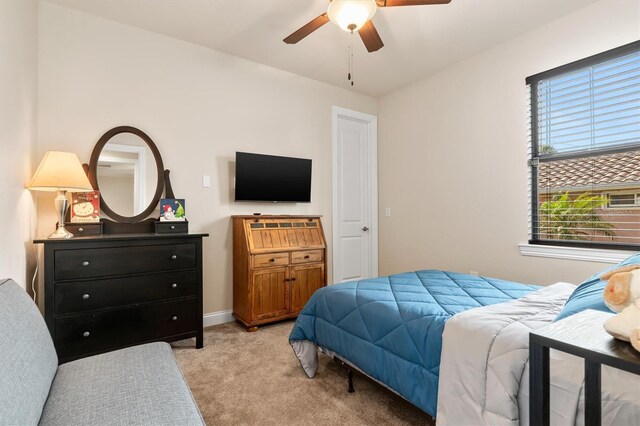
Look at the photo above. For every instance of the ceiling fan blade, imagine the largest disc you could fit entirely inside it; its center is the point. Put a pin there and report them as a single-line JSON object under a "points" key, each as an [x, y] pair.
{"points": [[370, 37], [307, 29], [392, 3]]}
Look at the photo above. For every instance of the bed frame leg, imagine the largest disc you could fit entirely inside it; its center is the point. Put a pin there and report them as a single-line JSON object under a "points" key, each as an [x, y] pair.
{"points": [[350, 375]]}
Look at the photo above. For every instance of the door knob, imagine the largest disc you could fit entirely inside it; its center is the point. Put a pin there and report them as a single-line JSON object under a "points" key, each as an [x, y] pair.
{"points": [[365, 228]]}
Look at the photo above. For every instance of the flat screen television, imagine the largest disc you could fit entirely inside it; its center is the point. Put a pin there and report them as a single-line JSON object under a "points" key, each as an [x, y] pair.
{"points": [[271, 178]]}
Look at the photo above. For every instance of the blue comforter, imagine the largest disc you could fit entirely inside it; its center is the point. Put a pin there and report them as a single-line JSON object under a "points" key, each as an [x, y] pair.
{"points": [[391, 327]]}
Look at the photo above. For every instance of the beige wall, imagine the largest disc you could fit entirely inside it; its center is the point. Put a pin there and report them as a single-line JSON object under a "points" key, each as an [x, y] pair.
{"points": [[18, 64], [452, 153], [198, 105], [120, 194]]}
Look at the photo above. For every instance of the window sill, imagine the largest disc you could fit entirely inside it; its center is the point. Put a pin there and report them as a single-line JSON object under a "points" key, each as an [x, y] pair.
{"points": [[574, 253]]}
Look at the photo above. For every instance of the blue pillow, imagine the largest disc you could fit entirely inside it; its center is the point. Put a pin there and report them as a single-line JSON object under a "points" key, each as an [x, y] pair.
{"points": [[588, 295]]}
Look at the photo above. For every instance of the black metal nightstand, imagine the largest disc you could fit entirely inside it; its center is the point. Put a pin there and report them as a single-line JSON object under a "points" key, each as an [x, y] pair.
{"points": [[581, 335]]}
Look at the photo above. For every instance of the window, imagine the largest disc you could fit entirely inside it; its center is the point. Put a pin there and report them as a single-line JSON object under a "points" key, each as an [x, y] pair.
{"points": [[623, 200], [585, 152]]}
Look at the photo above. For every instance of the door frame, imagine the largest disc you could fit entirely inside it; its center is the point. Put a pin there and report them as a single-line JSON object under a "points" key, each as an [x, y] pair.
{"points": [[372, 123]]}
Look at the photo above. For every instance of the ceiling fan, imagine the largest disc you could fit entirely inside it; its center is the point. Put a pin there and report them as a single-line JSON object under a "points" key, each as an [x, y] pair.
{"points": [[355, 15]]}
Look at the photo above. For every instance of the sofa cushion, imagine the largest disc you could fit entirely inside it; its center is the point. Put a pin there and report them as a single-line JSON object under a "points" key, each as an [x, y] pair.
{"points": [[29, 360], [141, 385]]}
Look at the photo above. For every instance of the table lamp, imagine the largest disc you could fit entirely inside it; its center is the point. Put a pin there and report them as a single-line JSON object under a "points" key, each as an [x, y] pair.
{"points": [[61, 172]]}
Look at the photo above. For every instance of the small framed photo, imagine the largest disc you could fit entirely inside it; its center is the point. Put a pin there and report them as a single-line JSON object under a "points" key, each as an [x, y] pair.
{"points": [[85, 207], [172, 210]]}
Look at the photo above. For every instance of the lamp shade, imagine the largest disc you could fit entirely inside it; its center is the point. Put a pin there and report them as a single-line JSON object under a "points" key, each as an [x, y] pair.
{"points": [[351, 15], [60, 171]]}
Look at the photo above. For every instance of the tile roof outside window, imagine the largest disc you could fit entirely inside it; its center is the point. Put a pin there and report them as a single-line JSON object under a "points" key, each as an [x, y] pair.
{"points": [[603, 170]]}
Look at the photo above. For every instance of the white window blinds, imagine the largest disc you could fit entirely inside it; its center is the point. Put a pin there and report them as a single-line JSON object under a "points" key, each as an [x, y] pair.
{"points": [[585, 151]]}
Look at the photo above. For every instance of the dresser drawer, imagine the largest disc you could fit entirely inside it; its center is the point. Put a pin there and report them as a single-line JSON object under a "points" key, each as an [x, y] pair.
{"points": [[84, 229], [270, 259], [307, 256], [171, 227], [86, 296], [97, 262], [102, 331]]}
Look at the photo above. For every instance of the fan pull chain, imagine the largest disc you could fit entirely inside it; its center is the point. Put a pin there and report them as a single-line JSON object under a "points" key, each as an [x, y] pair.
{"points": [[350, 76]]}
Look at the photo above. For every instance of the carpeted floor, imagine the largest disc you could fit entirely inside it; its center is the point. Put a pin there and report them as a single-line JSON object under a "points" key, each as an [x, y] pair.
{"points": [[242, 378]]}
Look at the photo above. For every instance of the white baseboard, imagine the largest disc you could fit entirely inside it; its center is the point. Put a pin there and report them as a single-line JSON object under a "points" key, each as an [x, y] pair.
{"points": [[215, 318]]}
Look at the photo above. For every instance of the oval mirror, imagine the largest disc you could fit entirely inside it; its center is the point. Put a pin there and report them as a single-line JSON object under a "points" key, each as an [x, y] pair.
{"points": [[127, 169]]}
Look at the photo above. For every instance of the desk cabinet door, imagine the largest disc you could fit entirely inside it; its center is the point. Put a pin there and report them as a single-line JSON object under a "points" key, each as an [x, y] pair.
{"points": [[269, 293], [305, 280]]}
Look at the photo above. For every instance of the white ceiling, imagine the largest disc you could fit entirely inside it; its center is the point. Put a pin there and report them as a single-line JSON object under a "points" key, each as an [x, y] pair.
{"points": [[419, 40]]}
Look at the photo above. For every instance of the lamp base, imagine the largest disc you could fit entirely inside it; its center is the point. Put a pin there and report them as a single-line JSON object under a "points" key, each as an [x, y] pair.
{"points": [[61, 233], [61, 207]]}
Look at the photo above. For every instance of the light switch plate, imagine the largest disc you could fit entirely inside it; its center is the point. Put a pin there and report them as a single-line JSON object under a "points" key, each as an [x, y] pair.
{"points": [[206, 181]]}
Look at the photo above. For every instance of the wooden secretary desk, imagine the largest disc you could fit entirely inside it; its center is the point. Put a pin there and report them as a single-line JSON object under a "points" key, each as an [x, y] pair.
{"points": [[278, 263]]}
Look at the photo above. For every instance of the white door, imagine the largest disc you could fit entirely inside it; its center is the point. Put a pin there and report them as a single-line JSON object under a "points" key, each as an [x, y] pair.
{"points": [[355, 220]]}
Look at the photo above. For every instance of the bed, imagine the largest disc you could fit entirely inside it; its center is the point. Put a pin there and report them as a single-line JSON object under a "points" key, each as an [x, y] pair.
{"points": [[390, 328], [456, 345]]}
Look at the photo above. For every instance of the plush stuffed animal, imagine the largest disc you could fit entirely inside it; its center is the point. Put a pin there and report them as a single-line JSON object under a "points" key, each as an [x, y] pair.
{"points": [[622, 295]]}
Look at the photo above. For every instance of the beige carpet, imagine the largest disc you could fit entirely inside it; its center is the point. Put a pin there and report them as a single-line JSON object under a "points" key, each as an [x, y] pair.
{"points": [[242, 378]]}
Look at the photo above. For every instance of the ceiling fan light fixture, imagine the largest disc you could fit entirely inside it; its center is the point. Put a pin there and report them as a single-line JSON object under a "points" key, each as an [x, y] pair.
{"points": [[351, 15]]}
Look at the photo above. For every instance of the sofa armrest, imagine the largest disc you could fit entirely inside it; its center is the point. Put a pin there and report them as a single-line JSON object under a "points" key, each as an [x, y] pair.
{"points": [[29, 360]]}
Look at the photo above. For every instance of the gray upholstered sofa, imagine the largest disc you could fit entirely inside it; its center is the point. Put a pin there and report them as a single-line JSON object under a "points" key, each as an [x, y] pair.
{"points": [[133, 386]]}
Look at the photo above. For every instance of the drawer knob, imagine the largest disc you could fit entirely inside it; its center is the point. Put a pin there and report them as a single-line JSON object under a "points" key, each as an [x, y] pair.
{"points": [[86, 334], [174, 285], [173, 227], [174, 257], [80, 229], [174, 318], [85, 263], [273, 259], [306, 256], [85, 296]]}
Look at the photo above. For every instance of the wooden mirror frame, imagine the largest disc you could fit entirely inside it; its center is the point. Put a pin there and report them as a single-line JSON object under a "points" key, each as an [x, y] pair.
{"points": [[93, 173]]}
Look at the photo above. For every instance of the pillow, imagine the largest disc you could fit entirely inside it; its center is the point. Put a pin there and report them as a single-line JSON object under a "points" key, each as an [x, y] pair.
{"points": [[588, 295]]}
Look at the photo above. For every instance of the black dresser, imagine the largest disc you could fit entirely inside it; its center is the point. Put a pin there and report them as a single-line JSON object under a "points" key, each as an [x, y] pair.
{"points": [[108, 292]]}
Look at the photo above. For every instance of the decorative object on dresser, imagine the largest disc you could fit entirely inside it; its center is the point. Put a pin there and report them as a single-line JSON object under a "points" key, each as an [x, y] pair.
{"points": [[61, 172], [129, 285], [173, 218], [85, 207], [172, 210], [278, 263]]}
